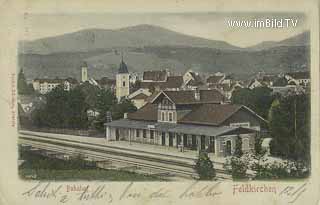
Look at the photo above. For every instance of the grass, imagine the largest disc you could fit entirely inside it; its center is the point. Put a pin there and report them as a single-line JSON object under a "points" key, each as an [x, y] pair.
{"points": [[39, 167]]}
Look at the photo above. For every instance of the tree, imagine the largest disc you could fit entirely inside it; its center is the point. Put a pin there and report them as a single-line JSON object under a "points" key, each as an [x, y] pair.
{"points": [[289, 122], [238, 148], [105, 101], [124, 106], [204, 167], [258, 99], [62, 109], [23, 87]]}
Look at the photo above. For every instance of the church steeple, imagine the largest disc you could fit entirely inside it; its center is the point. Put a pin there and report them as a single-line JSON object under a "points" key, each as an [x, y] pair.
{"points": [[122, 80], [122, 67]]}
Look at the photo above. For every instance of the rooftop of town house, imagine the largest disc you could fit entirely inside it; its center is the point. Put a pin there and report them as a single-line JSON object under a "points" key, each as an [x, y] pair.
{"points": [[56, 80], [210, 114], [140, 96], [179, 128], [214, 79], [171, 82], [155, 75], [106, 81], [299, 75], [188, 96], [148, 112]]}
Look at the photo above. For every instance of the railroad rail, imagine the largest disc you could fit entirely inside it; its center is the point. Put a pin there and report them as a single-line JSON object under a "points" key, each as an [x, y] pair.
{"points": [[176, 166]]}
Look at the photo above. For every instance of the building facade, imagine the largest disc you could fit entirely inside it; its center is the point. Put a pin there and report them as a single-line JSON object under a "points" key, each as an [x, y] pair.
{"points": [[43, 86], [194, 120]]}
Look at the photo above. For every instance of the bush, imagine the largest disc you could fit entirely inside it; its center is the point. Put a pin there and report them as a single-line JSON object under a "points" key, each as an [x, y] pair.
{"points": [[237, 167], [204, 167]]}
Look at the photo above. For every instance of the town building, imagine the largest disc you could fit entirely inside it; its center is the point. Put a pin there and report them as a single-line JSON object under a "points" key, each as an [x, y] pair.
{"points": [[139, 97], [192, 119], [301, 78], [45, 85]]}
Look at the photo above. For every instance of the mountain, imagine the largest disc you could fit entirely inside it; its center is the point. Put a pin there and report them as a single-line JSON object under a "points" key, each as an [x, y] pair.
{"points": [[302, 39], [135, 36], [184, 52]]}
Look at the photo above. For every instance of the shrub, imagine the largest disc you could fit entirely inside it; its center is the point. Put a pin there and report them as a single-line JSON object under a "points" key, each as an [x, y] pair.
{"points": [[237, 167], [204, 167]]}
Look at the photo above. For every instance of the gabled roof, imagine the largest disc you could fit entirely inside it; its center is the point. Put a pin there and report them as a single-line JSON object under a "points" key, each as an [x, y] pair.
{"points": [[155, 75], [214, 79], [149, 112], [188, 96], [300, 75], [210, 114], [171, 82], [140, 96]]}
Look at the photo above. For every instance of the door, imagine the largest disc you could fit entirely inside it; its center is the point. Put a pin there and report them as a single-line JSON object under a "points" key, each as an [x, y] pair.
{"points": [[170, 139], [178, 139], [185, 140], [194, 142], [203, 142], [228, 148], [163, 138], [211, 144], [117, 134]]}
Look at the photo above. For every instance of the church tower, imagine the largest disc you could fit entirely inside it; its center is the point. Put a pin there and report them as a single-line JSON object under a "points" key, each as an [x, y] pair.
{"points": [[122, 81], [84, 72]]}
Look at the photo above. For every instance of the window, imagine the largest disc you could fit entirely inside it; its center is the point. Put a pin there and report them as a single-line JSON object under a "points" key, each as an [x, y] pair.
{"points": [[137, 133], [170, 117], [124, 83], [162, 116], [151, 134], [144, 133]]}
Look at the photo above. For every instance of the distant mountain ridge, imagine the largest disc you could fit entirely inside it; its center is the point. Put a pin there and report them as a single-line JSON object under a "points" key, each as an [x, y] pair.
{"points": [[154, 48], [302, 39], [134, 36]]}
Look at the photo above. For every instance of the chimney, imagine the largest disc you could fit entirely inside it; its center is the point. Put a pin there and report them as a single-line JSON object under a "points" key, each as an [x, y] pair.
{"points": [[197, 94], [125, 115]]}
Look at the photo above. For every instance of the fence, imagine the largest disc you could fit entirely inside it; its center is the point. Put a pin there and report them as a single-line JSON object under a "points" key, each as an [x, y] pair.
{"points": [[79, 132]]}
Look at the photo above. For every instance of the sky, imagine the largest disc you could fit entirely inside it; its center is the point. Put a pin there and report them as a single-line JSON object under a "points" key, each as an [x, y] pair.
{"points": [[210, 25]]}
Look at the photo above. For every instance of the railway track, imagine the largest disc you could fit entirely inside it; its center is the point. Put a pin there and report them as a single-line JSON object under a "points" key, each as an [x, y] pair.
{"points": [[177, 167]]}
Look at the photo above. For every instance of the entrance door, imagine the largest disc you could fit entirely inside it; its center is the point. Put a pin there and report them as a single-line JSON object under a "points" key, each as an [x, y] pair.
{"points": [[178, 139], [117, 134], [203, 142], [194, 142], [228, 148], [211, 144], [170, 139], [185, 140], [163, 138]]}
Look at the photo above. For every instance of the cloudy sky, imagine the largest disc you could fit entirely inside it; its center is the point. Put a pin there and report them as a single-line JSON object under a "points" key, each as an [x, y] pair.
{"points": [[207, 25]]}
